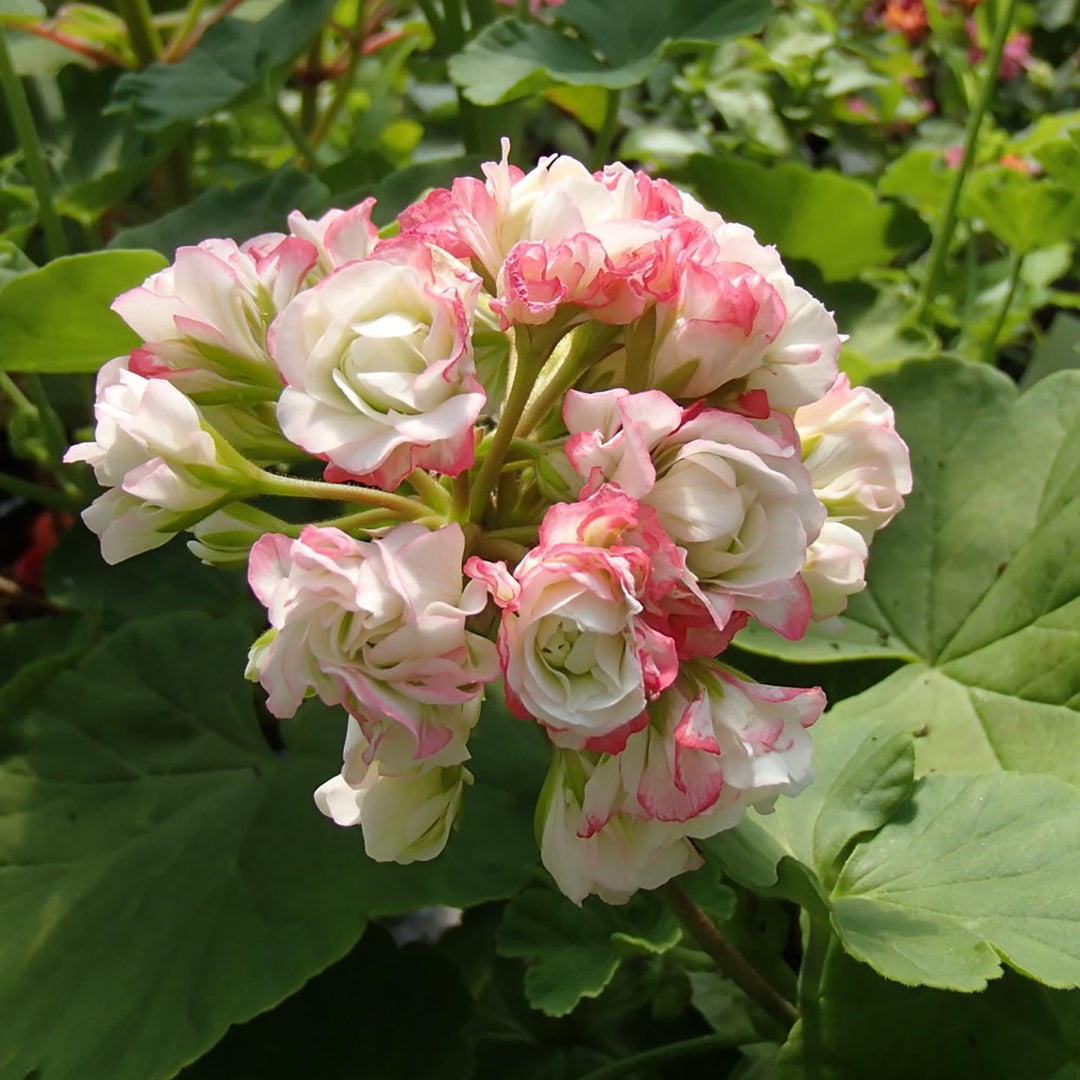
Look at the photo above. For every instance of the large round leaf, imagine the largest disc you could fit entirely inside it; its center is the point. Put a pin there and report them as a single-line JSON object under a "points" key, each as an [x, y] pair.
{"points": [[163, 871]]}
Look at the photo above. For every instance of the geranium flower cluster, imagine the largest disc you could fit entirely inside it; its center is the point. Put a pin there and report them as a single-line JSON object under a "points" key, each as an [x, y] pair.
{"points": [[576, 432]]}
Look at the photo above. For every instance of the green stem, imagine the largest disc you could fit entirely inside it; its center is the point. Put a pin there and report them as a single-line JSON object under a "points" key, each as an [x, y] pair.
{"points": [[273, 484], [39, 493], [605, 138], [526, 368], [818, 938], [309, 94], [438, 28], [519, 534], [191, 18], [481, 12], [1015, 266], [306, 153], [685, 1048], [23, 122], [939, 248], [139, 20], [345, 82], [728, 959], [430, 490]]}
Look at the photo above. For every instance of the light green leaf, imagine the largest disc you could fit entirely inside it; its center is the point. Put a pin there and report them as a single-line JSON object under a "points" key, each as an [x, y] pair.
{"points": [[1058, 351], [840, 638], [830, 220], [620, 41], [161, 857], [260, 205], [978, 576], [232, 58], [13, 262], [872, 1027], [974, 870], [57, 319], [576, 951], [921, 178], [1021, 212], [415, 1013]]}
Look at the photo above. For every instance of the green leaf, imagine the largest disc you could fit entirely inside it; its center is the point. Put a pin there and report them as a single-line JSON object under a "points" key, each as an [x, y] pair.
{"points": [[231, 59], [978, 576], [831, 641], [166, 579], [871, 1027], [34, 651], [1022, 213], [13, 262], [260, 205], [159, 855], [414, 1007], [620, 42], [1058, 351], [57, 319], [830, 220], [975, 869], [921, 178], [398, 189], [576, 951]]}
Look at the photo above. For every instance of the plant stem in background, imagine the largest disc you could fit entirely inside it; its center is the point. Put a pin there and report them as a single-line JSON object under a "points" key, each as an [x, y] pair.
{"points": [[939, 248], [344, 82], [139, 20], [728, 959], [309, 94], [183, 31], [36, 169], [672, 1051], [818, 937], [305, 152], [605, 137], [1016, 264]]}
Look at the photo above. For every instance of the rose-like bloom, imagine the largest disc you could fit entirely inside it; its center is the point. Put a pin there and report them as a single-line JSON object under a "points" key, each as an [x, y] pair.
{"points": [[730, 490], [594, 619], [859, 465], [151, 447], [835, 568], [405, 816], [716, 744], [614, 860], [204, 320], [379, 367], [377, 626], [798, 364]]}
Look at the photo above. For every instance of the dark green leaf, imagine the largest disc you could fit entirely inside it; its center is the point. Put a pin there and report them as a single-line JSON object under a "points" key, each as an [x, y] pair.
{"points": [[828, 219], [576, 951], [414, 1010], [620, 42], [871, 1027], [1058, 351], [232, 58], [257, 206], [161, 857], [57, 319]]}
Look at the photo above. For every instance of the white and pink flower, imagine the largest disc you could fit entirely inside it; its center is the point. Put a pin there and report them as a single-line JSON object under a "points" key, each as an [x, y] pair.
{"points": [[161, 463], [204, 319], [859, 465], [379, 627], [405, 815], [379, 368], [730, 490]]}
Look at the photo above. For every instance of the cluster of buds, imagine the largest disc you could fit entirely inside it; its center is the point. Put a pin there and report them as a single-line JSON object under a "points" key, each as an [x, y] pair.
{"points": [[577, 431]]}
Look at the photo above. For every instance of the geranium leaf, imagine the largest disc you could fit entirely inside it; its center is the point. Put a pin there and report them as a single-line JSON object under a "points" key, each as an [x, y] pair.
{"points": [[57, 319], [158, 854]]}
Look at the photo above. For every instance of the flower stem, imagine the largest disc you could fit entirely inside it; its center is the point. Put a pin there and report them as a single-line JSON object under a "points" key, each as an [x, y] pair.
{"points": [[1016, 264], [305, 152], [728, 959], [429, 489], [23, 122], [818, 938], [528, 366], [605, 137], [183, 32], [274, 484], [684, 1048], [139, 20], [345, 80], [939, 247]]}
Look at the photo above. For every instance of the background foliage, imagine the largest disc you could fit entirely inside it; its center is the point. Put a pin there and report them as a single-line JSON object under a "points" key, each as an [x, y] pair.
{"points": [[172, 902]]}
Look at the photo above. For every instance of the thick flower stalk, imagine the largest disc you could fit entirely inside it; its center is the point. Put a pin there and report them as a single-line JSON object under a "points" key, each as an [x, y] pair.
{"points": [[574, 431]]}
